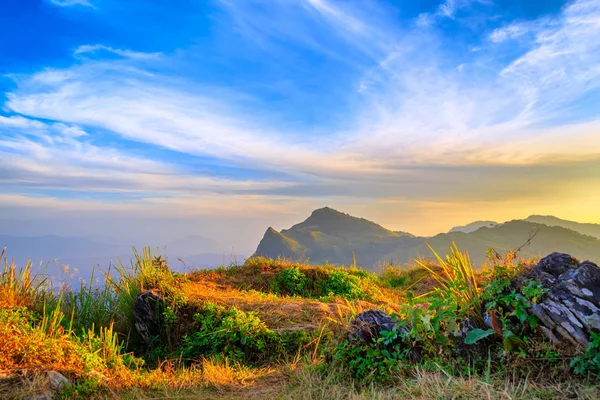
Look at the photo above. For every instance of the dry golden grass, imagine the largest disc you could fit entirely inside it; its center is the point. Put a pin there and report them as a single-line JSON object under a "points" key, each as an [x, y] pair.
{"points": [[19, 286], [276, 311]]}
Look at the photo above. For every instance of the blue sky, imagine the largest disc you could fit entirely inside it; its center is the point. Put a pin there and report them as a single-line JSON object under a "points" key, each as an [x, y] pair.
{"points": [[417, 114]]}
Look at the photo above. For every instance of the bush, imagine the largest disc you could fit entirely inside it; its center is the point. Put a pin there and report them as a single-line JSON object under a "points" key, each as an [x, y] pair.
{"points": [[238, 335], [291, 282], [340, 283]]}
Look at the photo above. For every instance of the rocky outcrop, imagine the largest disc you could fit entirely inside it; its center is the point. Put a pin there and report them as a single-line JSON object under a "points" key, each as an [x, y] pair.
{"points": [[147, 312], [568, 312], [367, 325], [571, 309]]}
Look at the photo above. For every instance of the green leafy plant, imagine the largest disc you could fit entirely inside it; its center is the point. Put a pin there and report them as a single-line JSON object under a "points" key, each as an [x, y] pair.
{"points": [[478, 334], [339, 282], [290, 281], [589, 362], [239, 335], [458, 281]]}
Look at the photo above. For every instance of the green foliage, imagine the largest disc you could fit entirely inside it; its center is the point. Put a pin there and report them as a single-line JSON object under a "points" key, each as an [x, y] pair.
{"points": [[290, 282], [339, 282], [476, 335], [82, 389], [238, 335], [370, 363], [458, 282], [436, 330], [589, 362], [509, 303]]}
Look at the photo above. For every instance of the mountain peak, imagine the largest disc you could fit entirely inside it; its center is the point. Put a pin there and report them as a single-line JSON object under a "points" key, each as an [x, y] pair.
{"points": [[326, 211], [272, 231]]}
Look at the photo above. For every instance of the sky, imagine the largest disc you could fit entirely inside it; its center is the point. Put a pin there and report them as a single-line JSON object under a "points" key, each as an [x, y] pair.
{"points": [[157, 119]]}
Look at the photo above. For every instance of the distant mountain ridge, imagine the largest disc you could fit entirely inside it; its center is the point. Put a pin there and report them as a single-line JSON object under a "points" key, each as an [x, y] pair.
{"points": [[331, 236], [87, 252], [584, 228], [473, 226]]}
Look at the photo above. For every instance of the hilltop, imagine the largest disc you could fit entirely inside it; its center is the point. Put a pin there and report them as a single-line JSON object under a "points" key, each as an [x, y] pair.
{"points": [[331, 236]]}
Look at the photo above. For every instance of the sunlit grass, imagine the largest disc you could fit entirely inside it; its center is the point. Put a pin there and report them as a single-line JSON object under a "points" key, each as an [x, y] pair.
{"points": [[20, 286], [457, 278]]}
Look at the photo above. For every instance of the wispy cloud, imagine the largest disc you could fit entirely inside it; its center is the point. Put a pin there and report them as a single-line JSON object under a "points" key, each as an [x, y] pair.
{"points": [[86, 50], [68, 3], [59, 157], [447, 9]]}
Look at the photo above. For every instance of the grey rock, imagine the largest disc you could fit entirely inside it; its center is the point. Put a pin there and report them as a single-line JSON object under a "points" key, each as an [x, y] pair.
{"points": [[571, 309], [367, 325], [147, 312], [557, 263], [57, 380], [583, 282]]}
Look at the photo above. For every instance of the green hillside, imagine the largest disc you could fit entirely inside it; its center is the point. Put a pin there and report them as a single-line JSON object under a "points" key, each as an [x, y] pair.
{"points": [[275, 242], [331, 236]]}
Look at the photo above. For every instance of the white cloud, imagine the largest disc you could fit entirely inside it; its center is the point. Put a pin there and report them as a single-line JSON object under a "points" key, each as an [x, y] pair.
{"points": [[447, 9], [55, 156], [83, 50], [68, 3], [17, 121], [511, 31]]}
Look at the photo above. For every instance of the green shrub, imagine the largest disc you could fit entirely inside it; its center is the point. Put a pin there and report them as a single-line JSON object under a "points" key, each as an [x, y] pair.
{"points": [[340, 283], [291, 282], [238, 335], [589, 362], [376, 362]]}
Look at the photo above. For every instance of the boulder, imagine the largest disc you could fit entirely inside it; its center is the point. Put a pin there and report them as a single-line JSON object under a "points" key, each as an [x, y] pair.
{"points": [[57, 380], [147, 312], [571, 309], [367, 325]]}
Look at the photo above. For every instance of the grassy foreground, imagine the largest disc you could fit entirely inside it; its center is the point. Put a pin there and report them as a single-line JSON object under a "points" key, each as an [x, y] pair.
{"points": [[277, 329]]}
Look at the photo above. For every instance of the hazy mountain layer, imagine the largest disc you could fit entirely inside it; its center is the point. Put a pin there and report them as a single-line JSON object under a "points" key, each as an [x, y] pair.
{"points": [[85, 253], [473, 226], [586, 229]]}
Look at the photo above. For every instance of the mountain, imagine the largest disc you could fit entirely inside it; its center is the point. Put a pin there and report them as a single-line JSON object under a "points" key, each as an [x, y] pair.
{"points": [[329, 235], [586, 229], [336, 237], [473, 226]]}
